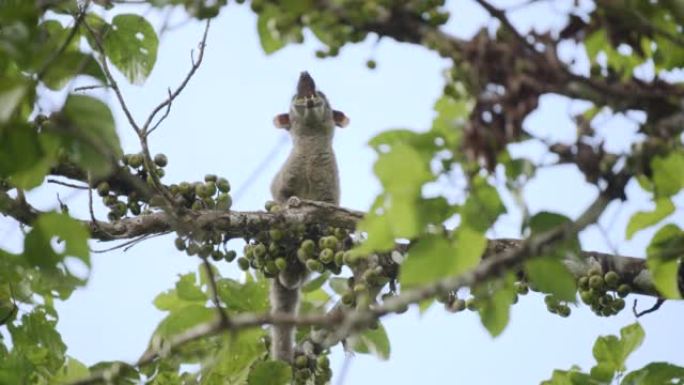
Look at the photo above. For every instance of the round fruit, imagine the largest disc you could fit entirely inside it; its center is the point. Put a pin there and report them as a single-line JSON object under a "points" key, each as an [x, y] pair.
{"points": [[161, 160], [611, 278], [243, 263]]}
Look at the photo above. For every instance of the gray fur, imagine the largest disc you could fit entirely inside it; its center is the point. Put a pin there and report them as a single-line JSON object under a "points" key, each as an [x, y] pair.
{"points": [[310, 172]]}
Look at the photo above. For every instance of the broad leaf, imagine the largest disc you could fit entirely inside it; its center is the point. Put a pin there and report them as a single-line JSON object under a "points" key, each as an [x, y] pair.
{"points": [[663, 254], [644, 219]]}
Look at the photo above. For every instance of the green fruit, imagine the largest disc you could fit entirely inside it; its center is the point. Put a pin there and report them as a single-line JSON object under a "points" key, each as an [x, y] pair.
{"points": [[211, 188], [302, 255], [339, 258], [348, 298], [110, 200], [259, 250], [180, 244], [135, 160], [308, 246], [161, 160], [217, 255], [596, 282], [583, 283], [224, 201], [270, 268], [624, 290], [371, 64], [103, 189], [340, 233], [323, 362], [550, 300], [587, 297], [223, 185], [348, 258], [619, 304], [134, 207], [186, 188], [328, 242], [275, 234], [210, 178], [611, 278], [315, 266], [564, 311], [301, 361], [243, 263], [327, 256], [281, 263], [230, 255], [595, 270]]}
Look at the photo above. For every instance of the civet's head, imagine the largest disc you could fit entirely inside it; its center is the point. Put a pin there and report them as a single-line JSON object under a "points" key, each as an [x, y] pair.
{"points": [[310, 110]]}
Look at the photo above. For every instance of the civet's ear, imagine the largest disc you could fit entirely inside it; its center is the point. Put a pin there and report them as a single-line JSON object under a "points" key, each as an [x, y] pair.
{"points": [[341, 120], [282, 121]]}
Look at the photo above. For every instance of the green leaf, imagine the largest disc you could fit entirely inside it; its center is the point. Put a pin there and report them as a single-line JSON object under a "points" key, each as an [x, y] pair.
{"points": [[373, 341], [269, 37], [494, 308], [184, 319], [663, 254], [644, 219], [611, 352], [25, 155], [339, 285], [71, 371], [131, 45], [451, 116], [402, 172], [187, 289], [252, 296], [550, 275], [429, 260], [655, 373], [12, 93], [469, 246], [238, 353], [668, 176], [571, 377], [69, 64], [66, 230], [90, 134], [316, 283], [379, 233], [270, 373], [482, 207]]}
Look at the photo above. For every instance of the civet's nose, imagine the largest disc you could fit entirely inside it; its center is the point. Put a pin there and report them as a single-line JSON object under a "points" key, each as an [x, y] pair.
{"points": [[306, 86]]}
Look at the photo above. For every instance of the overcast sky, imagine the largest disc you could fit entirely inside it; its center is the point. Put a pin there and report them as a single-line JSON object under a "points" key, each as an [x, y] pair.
{"points": [[222, 124]]}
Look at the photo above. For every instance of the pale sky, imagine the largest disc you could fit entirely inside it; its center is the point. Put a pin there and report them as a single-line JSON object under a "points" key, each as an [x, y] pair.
{"points": [[222, 124]]}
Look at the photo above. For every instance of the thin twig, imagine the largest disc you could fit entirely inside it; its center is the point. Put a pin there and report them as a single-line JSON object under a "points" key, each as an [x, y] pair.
{"points": [[67, 184], [91, 87], [166, 103], [659, 302], [223, 316]]}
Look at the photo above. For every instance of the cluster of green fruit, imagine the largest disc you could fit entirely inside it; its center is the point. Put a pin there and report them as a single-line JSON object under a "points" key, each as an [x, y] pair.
{"points": [[333, 26], [454, 304], [136, 163], [213, 193], [210, 245], [594, 287], [555, 306], [317, 248], [311, 369]]}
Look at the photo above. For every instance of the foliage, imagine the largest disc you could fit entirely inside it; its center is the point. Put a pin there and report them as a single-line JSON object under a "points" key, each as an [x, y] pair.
{"points": [[410, 248]]}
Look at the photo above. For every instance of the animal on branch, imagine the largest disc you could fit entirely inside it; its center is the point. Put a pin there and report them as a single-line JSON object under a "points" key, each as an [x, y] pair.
{"points": [[310, 172]]}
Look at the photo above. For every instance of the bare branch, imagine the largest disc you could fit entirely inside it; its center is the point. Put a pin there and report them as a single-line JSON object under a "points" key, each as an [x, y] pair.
{"points": [[173, 95]]}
